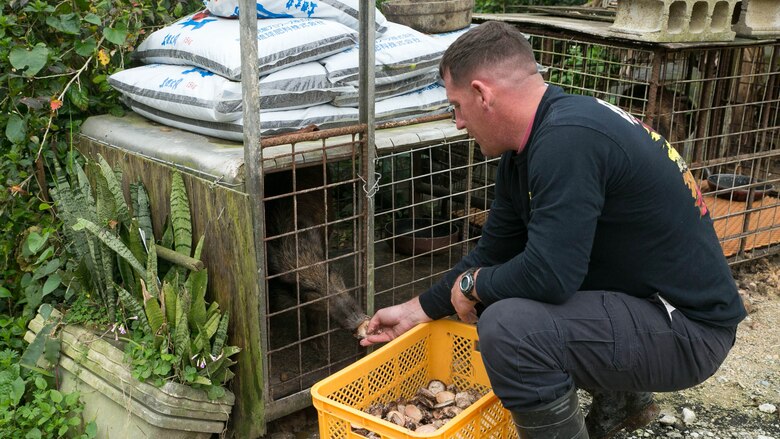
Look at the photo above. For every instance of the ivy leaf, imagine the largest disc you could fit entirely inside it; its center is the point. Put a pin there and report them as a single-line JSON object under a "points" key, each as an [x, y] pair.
{"points": [[216, 392], [116, 35], [92, 18], [78, 96], [51, 284], [86, 47], [4, 293], [16, 129], [40, 383], [91, 429], [55, 396], [34, 242], [65, 23], [32, 60], [17, 390], [32, 103]]}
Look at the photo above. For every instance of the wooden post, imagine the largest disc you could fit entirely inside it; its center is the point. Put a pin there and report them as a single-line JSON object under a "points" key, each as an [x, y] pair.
{"points": [[367, 42], [249, 419]]}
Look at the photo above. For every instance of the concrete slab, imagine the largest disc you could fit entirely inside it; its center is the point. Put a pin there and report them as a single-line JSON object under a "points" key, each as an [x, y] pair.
{"points": [[759, 19], [676, 20]]}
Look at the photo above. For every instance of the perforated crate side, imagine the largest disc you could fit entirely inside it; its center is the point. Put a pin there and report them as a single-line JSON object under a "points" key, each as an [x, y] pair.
{"points": [[442, 350]]}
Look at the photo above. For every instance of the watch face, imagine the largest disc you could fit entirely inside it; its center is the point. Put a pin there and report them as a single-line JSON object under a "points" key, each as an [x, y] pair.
{"points": [[465, 283]]}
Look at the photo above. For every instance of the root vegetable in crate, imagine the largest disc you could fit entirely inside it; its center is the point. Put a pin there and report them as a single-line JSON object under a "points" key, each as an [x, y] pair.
{"points": [[298, 255]]}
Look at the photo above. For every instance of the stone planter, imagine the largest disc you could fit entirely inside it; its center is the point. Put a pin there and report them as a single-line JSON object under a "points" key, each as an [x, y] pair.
{"points": [[123, 407], [430, 16]]}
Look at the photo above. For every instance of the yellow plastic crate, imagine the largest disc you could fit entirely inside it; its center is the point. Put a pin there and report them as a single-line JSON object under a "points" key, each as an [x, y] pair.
{"points": [[444, 350]]}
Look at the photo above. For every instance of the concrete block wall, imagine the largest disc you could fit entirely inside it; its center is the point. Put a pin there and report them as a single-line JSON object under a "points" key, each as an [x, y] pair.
{"points": [[759, 18], [675, 20]]}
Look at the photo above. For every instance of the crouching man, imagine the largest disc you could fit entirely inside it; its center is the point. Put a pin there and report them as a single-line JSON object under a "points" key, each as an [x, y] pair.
{"points": [[598, 267]]}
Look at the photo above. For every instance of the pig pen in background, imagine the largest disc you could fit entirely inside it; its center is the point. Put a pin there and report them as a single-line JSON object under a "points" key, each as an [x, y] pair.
{"points": [[717, 103]]}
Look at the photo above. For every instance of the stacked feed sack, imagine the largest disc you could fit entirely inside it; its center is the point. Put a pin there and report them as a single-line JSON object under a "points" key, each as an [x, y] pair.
{"points": [[191, 72], [407, 82]]}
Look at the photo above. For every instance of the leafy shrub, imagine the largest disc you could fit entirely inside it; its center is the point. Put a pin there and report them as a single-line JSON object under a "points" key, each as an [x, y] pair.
{"points": [[176, 335], [30, 407], [54, 61]]}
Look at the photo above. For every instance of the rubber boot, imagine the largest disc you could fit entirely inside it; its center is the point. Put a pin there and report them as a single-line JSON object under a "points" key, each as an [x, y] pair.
{"points": [[612, 412], [560, 419]]}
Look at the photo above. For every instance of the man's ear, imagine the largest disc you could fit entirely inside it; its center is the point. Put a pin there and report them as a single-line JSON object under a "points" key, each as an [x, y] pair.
{"points": [[483, 91]]}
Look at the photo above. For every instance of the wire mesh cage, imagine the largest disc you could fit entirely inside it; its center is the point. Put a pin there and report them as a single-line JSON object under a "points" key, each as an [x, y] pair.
{"points": [[718, 105], [315, 282], [431, 204]]}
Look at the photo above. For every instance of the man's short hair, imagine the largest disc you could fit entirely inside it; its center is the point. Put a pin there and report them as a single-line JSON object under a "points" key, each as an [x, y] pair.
{"points": [[488, 44]]}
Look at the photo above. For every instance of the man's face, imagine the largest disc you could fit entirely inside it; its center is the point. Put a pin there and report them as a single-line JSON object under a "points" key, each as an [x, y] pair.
{"points": [[471, 114]]}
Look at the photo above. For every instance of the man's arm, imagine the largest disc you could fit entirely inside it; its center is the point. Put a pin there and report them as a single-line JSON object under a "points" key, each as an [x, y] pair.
{"points": [[503, 236]]}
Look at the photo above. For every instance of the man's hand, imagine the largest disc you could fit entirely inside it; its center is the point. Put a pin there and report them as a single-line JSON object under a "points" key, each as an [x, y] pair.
{"points": [[388, 323], [463, 306]]}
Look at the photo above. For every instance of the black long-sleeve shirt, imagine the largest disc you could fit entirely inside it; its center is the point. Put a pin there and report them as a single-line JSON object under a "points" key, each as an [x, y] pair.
{"points": [[597, 201]]}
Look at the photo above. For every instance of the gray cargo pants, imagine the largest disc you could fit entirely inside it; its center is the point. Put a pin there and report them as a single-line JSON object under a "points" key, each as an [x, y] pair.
{"points": [[534, 352]]}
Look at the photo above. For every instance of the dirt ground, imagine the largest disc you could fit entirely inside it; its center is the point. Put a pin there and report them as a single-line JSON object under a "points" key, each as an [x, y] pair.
{"points": [[740, 401]]}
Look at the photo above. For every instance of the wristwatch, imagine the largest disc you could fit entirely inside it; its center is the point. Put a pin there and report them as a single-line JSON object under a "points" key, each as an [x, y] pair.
{"points": [[466, 284]]}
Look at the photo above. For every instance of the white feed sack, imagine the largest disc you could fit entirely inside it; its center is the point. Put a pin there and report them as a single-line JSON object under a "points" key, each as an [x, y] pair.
{"points": [[343, 11], [271, 122], [298, 86], [350, 96], [198, 94], [430, 100], [210, 42], [184, 90], [401, 53]]}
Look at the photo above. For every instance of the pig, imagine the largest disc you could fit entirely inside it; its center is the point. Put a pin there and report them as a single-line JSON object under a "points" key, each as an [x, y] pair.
{"points": [[293, 245]]}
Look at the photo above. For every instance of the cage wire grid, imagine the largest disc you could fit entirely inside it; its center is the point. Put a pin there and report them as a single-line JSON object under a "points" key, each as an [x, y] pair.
{"points": [[430, 206], [313, 221], [717, 105]]}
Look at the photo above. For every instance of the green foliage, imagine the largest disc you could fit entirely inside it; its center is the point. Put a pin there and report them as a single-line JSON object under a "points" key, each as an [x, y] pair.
{"points": [[12, 331], [177, 335], [31, 408], [150, 360], [40, 265], [30, 404], [85, 311], [55, 58], [583, 69], [91, 244]]}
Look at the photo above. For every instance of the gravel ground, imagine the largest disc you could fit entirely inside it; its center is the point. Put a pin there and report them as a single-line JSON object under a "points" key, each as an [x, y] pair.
{"points": [[741, 401]]}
